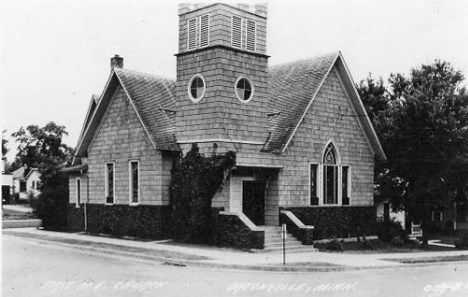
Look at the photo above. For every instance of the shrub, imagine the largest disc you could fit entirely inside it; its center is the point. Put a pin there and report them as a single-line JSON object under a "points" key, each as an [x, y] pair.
{"points": [[51, 206], [365, 245], [462, 243], [388, 230], [334, 245]]}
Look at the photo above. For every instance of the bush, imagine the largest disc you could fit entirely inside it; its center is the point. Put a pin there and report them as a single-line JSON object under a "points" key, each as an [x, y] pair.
{"points": [[333, 245], [462, 243], [389, 230], [365, 245], [51, 206]]}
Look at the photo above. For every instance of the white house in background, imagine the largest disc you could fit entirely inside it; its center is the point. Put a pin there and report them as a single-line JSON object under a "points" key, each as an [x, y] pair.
{"points": [[7, 183], [384, 211], [23, 182]]}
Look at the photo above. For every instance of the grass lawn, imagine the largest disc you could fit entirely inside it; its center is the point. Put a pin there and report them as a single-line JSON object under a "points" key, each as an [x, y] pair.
{"points": [[378, 247], [430, 259]]}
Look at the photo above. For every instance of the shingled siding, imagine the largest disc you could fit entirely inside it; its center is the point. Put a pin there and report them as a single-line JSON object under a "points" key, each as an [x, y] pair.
{"points": [[220, 107], [121, 138], [331, 117]]}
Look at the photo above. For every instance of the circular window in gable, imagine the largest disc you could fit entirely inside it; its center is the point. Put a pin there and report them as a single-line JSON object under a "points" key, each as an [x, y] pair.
{"points": [[196, 88], [244, 89]]}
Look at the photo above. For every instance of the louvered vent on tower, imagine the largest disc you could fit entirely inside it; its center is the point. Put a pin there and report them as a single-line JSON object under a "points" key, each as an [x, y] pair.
{"points": [[204, 30], [192, 34], [236, 37], [251, 32]]}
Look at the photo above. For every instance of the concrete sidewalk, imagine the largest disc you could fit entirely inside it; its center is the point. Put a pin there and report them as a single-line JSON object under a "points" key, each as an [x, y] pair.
{"points": [[193, 255], [23, 208]]}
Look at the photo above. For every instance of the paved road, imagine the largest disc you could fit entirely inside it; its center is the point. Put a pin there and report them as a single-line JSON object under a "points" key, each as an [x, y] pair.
{"points": [[31, 269]]}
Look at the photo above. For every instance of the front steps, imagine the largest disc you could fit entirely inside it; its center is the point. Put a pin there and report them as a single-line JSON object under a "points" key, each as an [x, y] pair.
{"points": [[274, 241]]}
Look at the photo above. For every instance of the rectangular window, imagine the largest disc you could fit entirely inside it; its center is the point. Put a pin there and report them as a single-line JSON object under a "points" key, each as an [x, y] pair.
{"points": [[345, 185], [134, 182], [22, 186], [313, 184], [110, 183], [78, 192], [236, 32]]}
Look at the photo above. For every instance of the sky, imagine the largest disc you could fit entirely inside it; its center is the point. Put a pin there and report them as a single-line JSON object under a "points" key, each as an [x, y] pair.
{"points": [[54, 54]]}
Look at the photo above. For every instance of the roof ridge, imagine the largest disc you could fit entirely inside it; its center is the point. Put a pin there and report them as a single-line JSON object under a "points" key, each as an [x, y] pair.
{"points": [[336, 53], [144, 74]]}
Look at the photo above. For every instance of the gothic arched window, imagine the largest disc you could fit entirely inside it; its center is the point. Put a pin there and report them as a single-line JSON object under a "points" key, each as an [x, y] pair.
{"points": [[330, 176]]}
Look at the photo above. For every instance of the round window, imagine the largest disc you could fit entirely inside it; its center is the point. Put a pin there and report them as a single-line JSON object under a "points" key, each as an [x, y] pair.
{"points": [[196, 88], [244, 89]]}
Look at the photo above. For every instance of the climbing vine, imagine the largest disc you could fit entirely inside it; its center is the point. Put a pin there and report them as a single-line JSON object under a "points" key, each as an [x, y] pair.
{"points": [[195, 181]]}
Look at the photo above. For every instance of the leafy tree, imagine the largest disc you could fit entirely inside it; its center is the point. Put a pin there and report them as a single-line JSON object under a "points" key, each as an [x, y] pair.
{"points": [[42, 147], [5, 149], [422, 122]]}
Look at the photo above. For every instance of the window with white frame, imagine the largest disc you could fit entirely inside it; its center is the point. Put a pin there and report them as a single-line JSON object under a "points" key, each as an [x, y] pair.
{"points": [[110, 183], [198, 32], [196, 88], [134, 168], [78, 192]]}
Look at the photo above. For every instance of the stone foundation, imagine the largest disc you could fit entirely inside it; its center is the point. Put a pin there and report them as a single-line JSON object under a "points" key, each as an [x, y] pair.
{"points": [[340, 222], [142, 221]]}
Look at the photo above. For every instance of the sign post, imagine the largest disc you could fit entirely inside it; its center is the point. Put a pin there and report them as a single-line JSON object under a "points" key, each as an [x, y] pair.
{"points": [[283, 236]]}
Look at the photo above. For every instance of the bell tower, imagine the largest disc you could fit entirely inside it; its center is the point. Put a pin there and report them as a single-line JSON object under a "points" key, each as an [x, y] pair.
{"points": [[222, 76]]}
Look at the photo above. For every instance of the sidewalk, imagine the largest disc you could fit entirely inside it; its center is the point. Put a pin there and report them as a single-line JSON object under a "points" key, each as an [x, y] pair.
{"points": [[23, 208], [192, 255]]}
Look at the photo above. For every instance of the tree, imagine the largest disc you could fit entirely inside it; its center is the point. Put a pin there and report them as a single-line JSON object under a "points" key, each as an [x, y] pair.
{"points": [[5, 149], [42, 148], [422, 121]]}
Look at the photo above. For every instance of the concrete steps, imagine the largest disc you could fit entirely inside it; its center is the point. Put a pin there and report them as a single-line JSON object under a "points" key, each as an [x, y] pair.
{"points": [[274, 241]]}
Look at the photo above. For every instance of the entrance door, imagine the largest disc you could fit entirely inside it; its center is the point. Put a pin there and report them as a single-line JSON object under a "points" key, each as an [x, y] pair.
{"points": [[6, 195], [253, 201]]}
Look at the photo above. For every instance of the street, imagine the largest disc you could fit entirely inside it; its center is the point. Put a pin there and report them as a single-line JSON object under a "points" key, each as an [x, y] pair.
{"points": [[32, 269]]}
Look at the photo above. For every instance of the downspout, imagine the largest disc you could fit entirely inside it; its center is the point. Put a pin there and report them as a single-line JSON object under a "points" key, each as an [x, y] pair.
{"points": [[85, 214]]}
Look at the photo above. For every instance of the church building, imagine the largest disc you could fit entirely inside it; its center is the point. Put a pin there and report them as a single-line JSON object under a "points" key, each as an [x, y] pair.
{"points": [[305, 147]]}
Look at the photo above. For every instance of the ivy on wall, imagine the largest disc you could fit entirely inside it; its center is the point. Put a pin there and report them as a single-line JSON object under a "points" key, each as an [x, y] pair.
{"points": [[195, 181]]}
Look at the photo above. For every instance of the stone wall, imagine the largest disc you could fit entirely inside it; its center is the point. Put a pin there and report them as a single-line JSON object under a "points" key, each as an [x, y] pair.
{"points": [[341, 222], [142, 221], [230, 231]]}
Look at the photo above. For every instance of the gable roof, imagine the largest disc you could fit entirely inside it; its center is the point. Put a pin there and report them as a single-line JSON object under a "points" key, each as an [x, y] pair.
{"points": [[30, 172], [152, 98], [92, 106], [292, 89], [19, 173]]}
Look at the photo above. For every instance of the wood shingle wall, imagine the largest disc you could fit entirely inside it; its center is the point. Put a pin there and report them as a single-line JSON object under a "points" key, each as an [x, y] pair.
{"points": [[120, 139], [330, 117]]}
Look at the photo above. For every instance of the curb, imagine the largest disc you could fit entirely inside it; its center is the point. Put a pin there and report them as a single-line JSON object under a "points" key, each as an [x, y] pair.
{"points": [[149, 259], [8, 224]]}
